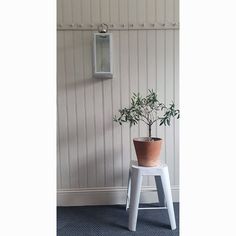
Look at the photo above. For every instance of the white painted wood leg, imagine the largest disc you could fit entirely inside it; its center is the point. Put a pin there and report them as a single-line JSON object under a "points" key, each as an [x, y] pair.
{"points": [[128, 190], [167, 191], [136, 183], [160, 192]]}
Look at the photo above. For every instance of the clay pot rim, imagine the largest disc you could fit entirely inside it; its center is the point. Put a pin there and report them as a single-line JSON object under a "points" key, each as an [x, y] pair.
{"points": [[145, 139]]}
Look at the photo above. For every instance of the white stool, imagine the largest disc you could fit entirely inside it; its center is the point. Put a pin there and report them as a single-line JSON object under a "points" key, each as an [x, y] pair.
{"points": [[136, 174]]}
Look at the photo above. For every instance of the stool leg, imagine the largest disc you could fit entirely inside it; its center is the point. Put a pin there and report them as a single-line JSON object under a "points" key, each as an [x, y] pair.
{"points": [[160, 191], [128, 190], [167, 191], [136, 183]]}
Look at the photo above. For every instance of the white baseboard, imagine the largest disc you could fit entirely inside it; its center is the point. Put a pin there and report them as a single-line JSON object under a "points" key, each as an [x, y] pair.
{"points": [[106, 196]]}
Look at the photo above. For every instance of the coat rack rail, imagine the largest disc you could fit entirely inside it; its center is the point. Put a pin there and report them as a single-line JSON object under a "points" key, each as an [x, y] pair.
{"points": [[130, 26]]}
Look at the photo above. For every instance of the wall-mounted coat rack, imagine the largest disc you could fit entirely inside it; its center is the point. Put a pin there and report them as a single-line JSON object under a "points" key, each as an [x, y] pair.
{"points": [[125, 26]]}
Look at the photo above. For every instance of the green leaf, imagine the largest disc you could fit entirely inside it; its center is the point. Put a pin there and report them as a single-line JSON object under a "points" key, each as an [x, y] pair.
{"points": [[146, 108], [168, 121]]}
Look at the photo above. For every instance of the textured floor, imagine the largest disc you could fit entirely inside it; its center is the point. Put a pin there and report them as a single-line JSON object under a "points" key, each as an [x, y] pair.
{"points": [[113, 221]]}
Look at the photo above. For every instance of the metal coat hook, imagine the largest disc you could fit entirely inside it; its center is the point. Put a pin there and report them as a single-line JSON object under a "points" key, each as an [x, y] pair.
{"points": [[103, 28]]}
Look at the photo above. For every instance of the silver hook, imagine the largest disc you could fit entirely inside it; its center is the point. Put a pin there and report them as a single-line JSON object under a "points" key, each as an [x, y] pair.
{"points": [[103, 28]]}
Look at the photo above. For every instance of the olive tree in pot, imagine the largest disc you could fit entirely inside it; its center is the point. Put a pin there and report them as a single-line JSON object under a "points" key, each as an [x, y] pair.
{"points": [[148, 110]]}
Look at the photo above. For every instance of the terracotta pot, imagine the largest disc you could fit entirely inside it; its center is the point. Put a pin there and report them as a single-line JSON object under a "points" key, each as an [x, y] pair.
{"points": [[148, 152]]}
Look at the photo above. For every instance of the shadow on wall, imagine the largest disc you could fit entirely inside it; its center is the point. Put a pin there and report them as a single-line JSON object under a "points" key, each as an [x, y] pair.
{"points": [[75, 83], [83, 151]]}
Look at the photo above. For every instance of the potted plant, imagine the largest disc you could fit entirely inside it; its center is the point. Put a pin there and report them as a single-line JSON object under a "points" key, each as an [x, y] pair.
{"points": [[148, 110]]}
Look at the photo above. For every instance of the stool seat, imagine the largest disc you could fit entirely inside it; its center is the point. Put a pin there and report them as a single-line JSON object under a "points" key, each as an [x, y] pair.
{"points": [[136, 174], [147, 170]]}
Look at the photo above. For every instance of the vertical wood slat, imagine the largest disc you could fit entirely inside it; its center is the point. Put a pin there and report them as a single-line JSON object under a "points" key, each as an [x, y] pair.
{"points": [[132, 11], [86, 11], [160, 71], [141, 11], [66, 12], [150, 11], [108, 132], [76, 9], [105, 11], [98, 111], [99, 133], [176, 11], [89, 101], [124, 77], [169, 10], [133, 67], [176, 99], [123, 11], [60, 51], [169, 139], [71, 109], [142, 67], [114, 11], [160, 11], [62, 112], [116, 99], [107, 95], [81, 109], [95, 12], [151, 76], [133, 73], [151, 64], [58, 155], [59, 11]]}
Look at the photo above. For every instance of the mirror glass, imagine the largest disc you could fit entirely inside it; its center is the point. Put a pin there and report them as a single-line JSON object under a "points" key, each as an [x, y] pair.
{"points": [[102, 53]]}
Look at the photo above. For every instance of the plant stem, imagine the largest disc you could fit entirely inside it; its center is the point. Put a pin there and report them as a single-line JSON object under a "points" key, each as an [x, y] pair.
{"points": [[150, 131]]}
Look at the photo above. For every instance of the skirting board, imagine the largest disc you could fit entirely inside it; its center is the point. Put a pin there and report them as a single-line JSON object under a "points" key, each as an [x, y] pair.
{"points": [[107, 196]]}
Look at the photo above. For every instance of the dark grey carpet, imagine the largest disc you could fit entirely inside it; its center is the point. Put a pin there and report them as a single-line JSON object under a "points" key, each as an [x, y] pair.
{"points": [[113, 221]]}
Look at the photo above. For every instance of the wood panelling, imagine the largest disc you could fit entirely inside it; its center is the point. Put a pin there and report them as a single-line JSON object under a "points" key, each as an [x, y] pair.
{"points": [[87, 12], [93, 151]]}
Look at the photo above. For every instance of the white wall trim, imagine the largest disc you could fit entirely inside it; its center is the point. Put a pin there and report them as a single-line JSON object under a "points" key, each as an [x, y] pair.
{"points": [[106, 196], [144, 26]]}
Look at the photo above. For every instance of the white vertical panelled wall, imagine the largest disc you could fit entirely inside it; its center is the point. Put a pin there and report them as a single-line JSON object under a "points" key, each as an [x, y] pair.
{"points": [[93, 152]]}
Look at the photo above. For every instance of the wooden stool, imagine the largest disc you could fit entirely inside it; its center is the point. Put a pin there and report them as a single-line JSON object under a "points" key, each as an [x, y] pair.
{"points": [[136, 174]]}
